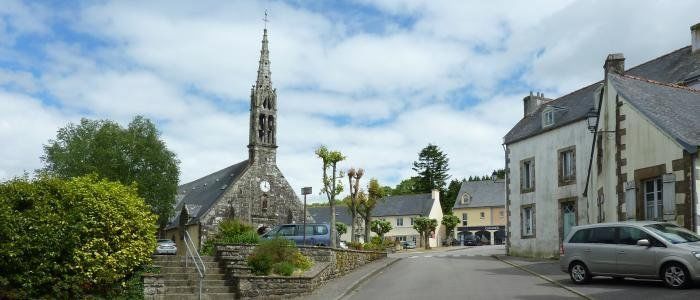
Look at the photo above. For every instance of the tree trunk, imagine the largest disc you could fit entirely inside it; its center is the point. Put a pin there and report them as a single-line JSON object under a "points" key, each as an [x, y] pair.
{"points": [[353, 217], [368, 220], [334, 235], [427, 240]]}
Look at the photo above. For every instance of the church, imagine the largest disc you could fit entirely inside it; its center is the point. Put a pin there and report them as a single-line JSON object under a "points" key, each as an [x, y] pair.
{"points": [[253, 190]]}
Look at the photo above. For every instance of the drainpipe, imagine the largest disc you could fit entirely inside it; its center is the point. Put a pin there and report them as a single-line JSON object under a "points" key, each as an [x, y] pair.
{"points": [[694, 193]]}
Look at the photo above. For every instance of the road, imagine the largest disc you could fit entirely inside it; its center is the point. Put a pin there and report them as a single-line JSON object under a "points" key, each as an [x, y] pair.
{"points": [[462, 274], [474, 274]]}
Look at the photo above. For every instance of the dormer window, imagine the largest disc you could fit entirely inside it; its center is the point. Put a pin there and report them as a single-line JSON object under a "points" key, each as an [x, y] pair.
{"points": [[547, 117], [466, 198]]}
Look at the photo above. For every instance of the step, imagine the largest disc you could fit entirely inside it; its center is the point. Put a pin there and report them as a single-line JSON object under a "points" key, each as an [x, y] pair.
{"points": [[180, 258], [191, 269], [193, 296], [195, 282], [195, 289], [192, 276], [207, 264]]}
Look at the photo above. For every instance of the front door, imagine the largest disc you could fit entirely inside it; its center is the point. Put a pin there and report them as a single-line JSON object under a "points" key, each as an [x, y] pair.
{"points": [[568, 218]]}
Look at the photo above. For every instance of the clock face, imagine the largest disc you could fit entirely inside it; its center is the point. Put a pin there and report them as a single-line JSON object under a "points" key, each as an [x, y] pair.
{"points": [[264, 186]]}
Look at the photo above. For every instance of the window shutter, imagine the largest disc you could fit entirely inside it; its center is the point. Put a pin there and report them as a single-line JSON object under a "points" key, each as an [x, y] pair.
{"points": [[669, 194], [631, 200]]}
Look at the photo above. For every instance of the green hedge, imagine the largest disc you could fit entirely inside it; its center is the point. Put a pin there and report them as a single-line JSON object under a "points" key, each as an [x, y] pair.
{"points": [[231, 231], [277, 255], [71, 238]]}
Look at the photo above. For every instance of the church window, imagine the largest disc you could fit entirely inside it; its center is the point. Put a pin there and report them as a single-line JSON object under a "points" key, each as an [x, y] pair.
{"points": [[264, 204], [290, 216]]}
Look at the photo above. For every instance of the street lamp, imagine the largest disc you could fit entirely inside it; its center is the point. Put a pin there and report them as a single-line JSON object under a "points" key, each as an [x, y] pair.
{"points": [[592, 120], [305, 191]]}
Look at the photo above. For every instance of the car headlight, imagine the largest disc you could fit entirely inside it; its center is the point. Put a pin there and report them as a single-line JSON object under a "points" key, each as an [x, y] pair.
{"points": [[696, 254]]}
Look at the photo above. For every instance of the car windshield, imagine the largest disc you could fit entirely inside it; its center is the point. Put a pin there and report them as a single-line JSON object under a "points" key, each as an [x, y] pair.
{"points": [[673, 233], [165, 241]]}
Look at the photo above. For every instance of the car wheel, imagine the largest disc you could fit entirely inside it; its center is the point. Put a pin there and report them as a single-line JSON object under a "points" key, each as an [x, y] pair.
{"points": [[579, 273], [675, 276]]}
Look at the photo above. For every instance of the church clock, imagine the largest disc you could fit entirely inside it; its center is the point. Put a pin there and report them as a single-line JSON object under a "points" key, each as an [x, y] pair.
{"points": [[264, 186]]}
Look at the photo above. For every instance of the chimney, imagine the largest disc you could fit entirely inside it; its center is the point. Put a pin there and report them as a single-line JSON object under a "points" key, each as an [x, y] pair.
{"points": [[615, 63], [695, 38], [532, 102]]}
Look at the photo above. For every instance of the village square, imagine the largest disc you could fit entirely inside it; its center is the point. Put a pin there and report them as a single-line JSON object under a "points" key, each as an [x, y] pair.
{"points": [[349, 150]]}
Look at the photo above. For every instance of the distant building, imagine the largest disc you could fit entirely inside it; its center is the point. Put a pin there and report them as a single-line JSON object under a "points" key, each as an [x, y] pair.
{"points": [[253, 190], [321, 214], [480, 207]]}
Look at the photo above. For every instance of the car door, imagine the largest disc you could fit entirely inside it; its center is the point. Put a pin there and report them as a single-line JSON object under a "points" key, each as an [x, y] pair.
{"points": [[287, 232], [600, 252], [635, 260]]}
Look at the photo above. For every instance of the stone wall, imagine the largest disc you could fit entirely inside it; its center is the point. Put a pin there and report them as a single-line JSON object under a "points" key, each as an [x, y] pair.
{"points": [[153, 285], [329, 263]]}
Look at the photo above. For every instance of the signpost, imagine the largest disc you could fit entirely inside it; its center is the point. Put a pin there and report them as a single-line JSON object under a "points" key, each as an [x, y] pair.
{"points": [[305, 191]]}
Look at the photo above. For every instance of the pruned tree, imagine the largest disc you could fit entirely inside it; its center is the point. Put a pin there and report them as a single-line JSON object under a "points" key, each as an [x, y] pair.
{"points": [[381, 227], [375, 193], [353, 205], [341, 228], [450, 221], [425, 226], [332, 186]]}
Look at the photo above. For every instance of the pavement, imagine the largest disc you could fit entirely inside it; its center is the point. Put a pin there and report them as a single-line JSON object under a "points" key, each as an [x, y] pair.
{"points": [[482, 272]]}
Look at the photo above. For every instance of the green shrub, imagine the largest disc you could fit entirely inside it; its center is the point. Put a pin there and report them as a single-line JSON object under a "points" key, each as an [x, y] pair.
{"points": [[355, 245], [268, 254], [283, 268], [71, 238], [231, 231]]}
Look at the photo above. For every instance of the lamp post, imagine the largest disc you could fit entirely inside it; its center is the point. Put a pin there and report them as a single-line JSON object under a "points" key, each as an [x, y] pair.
{"points": [[305, 191]]}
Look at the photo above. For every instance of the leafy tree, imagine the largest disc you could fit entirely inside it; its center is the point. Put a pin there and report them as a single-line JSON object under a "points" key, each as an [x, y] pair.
{"points": [[69, 238], [353, 204], [127, 155], [341, 228], [500, 173], [406, 187], [448, 201], [432, 167], [450, 221], [332, 186], [380, 227], [425, 226], [375, 193]]}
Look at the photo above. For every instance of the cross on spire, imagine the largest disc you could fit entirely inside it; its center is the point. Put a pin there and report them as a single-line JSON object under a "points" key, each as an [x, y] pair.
{"points": [[265, 19]]}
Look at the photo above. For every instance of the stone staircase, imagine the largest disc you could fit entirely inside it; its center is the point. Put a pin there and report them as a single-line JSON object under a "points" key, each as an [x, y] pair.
{"points": [[183, 282]]}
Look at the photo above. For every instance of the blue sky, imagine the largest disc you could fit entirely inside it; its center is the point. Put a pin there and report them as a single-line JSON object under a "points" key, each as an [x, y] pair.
{"points": [[377, 80]]}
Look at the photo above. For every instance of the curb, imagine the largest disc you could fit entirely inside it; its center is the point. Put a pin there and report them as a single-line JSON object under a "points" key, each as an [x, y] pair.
{"points": [[367, 277], [552, 281]]}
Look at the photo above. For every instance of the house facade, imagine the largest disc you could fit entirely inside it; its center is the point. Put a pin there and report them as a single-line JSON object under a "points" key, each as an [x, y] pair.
{"points": [[550, 151], [480, 207]]}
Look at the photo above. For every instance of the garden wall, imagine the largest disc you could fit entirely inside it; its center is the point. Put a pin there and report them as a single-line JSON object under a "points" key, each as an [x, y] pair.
{"points": [[328, 263]]}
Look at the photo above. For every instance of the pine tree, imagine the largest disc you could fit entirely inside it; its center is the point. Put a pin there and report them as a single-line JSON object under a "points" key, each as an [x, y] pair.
{"points": [[432, 167]]}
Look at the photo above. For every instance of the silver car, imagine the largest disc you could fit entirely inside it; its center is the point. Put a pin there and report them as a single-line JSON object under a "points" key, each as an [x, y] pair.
{"points": [[640, 249], [166, 247]]}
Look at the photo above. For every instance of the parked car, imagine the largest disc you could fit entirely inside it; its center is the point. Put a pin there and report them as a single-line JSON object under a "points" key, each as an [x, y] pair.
{"points": [[471, 241], [408, 244], [166, 247], [642, 249], [316, 234]]}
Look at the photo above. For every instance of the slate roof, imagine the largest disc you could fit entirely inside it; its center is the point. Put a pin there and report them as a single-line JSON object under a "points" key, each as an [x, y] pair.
{"points": [[483, 193], [402, 205], [199, 195], [679, 66], [323, 214], [674, 109]]}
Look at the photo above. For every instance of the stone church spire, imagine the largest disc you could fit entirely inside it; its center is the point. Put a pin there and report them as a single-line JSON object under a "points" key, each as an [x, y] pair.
{"points": [[263, 112]]}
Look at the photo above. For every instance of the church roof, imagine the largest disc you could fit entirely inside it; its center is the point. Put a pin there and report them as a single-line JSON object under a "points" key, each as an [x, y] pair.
{"points": [[402, 205], [199, 195], [679, 66], [482, 193], [673, 109]]}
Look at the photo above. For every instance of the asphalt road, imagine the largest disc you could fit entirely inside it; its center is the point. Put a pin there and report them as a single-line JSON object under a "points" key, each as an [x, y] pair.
{"points": [[462, 274]]}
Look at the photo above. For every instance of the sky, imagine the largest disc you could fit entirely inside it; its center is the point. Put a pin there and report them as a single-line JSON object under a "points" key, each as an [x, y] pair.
{"points": [[376, 79]]}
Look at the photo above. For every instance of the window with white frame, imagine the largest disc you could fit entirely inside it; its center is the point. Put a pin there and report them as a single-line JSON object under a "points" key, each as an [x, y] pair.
{"points": [[528, 221], [501, 214], [527, 175], [482, 215], [653, 199], [464, 219], [547, 117], [401, 238], [399, 222], [466, 198], [412, 221], [567, 163]]}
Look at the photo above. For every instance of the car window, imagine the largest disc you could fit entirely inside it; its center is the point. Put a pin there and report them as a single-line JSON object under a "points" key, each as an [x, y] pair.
{"points": [[673, 233], [580, 236], [309, 229], [287, 230], [602, 235], [630, 235], [320, 230]]}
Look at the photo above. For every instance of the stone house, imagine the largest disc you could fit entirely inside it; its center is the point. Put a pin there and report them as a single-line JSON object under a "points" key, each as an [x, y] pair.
{"points": [[480, 207], [548, 158], [646, 151], [254, 190]]}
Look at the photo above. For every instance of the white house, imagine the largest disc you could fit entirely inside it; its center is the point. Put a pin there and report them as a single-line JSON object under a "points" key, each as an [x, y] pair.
{"points": [[548, 158], [401, 210]]}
